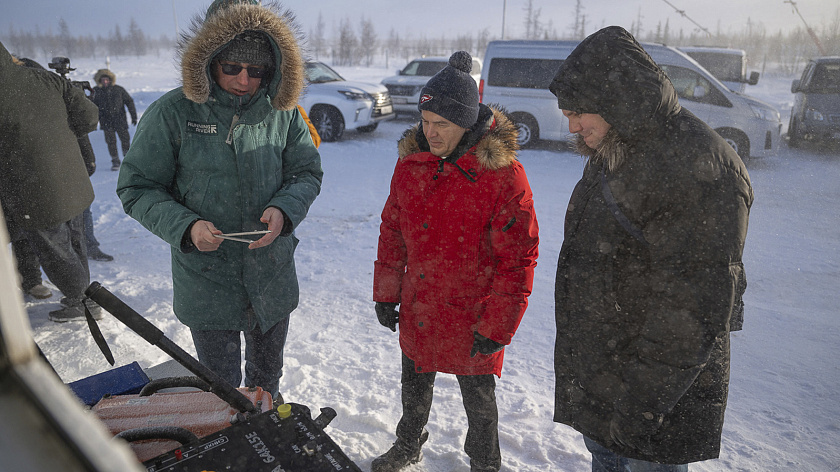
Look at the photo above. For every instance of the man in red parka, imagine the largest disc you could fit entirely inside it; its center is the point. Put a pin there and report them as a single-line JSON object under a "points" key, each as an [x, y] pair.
{"points": [[457, 251]]}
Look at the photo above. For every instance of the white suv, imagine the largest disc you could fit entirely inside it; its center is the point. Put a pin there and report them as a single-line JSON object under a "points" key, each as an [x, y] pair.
{"points": [[406, 85], [334, 104], [516, 76]]}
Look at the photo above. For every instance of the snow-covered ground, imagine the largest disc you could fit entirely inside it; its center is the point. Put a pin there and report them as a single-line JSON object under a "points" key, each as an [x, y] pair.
{"points": [[784, 403]]}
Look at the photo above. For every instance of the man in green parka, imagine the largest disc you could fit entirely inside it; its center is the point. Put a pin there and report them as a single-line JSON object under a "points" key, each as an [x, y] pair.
{"points": [[228, 152]]}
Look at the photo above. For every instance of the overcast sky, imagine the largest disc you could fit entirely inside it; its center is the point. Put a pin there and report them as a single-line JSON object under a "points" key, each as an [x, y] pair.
{"points": [[432, 18]]}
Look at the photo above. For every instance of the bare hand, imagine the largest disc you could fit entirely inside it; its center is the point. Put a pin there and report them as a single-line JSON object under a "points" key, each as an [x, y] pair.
{"points": [[203, 236], [273, 217]]}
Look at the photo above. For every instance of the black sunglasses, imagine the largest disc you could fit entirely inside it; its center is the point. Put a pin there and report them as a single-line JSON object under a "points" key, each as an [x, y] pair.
{"points": [[235, 69]]}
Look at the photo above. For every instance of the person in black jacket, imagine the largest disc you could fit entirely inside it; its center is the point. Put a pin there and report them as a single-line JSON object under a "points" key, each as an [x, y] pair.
{"points": [[112, 101], [44, 185], [650, 270]]}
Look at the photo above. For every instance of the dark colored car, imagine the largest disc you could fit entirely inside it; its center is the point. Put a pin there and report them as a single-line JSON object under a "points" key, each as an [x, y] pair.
{"points": [[815, 115]]}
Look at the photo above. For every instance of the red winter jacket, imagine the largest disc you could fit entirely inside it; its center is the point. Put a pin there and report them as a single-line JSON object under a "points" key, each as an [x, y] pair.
{"points": [[458, 247]]}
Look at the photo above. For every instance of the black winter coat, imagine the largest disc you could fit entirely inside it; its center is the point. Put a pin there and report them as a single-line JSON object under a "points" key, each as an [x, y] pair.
{"points": [[43, 179], [643, 327], [112, 102]]}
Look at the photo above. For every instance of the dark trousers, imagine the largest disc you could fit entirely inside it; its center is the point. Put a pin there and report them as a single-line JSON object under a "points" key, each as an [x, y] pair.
{"points": [[90, 240], [220, 351], [60, 251], [111, 141], [478, 393]]}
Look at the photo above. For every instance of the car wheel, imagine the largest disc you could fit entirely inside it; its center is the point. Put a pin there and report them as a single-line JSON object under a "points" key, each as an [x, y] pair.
{"points": [[368, 128], [529, 131], [738, 141], [794, 139], [328, 122]]}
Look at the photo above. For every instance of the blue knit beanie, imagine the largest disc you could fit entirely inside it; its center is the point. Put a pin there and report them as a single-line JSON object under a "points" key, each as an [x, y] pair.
{"points": [[452, 92]]}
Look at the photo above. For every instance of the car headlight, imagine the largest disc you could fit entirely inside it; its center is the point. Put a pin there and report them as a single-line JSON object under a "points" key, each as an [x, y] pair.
{"points": [[353, 95], [811, 114], [765, 113]]}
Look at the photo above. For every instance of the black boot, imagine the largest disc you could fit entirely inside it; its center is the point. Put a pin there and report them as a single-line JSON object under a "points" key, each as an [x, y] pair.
{"points": [[402, 454]]}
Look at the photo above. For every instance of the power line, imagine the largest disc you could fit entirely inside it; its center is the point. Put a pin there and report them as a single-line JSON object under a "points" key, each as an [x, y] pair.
{"points": [[682, 13]]}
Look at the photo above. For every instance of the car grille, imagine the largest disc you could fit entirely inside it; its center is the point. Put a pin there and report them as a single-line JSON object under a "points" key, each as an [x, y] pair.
{"points": [[403, 90], [380, 102]]}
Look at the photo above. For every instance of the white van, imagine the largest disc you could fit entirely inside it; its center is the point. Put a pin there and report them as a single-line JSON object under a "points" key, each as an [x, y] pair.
{"points": [[727, 64], [516, 76]]}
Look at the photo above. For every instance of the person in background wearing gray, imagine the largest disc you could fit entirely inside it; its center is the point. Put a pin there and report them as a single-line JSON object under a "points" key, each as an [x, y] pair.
{"points": [[229, 152], [44, 185], [650, 270], [112, 101]]}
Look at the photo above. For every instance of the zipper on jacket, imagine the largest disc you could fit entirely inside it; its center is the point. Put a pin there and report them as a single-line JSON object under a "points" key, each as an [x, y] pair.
{"points": [[235, 120]]}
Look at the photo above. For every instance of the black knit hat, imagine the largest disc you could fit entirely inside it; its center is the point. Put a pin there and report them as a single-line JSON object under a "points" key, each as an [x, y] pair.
{"points": [[452, 93], [249, 47]]}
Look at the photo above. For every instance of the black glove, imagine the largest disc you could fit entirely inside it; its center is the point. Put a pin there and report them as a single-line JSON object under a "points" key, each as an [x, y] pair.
{"points": [[91, 168], [484, 345], [388, 315], [134, 121]]}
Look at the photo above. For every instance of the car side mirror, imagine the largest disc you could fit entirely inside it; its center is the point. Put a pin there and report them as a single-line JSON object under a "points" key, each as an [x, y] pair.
{"points": [[753, 78], [794, 87], [399, 72]]}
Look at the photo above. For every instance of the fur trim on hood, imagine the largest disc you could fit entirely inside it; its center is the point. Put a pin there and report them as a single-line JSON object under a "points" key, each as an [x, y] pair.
{"points": [[208, 36], [495, 138], [104, 73]]}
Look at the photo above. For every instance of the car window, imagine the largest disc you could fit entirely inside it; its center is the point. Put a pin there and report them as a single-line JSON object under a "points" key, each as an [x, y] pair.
{"points": [[826, 78], [522, 73], [729, 67], [692, 86], [318, 73], [423, 68]]}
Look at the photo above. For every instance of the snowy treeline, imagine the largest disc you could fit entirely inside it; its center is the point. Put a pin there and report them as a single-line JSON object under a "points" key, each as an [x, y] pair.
{"points": [[364, 43]]}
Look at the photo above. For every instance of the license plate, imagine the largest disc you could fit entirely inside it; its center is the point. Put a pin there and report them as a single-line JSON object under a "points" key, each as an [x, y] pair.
{"points": [[387, 110]]}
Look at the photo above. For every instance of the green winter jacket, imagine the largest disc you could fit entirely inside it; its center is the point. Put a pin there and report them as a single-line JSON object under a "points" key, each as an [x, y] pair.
{"points": [[199, 153], [43, 179]]}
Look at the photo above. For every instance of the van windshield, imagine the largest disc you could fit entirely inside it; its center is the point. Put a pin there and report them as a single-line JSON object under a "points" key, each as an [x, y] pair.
{"points": [[424, 68], [728, 67], [826, 79], [522, 73]]}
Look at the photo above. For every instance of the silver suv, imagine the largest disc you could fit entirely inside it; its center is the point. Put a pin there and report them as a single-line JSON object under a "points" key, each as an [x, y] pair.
{"points": [[335, 104], [406, 85]]}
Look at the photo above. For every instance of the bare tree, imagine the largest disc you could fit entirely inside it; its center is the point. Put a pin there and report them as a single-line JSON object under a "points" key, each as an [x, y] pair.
{"points": [[136, 39], [65, 39], [316, 37], [367, 40], [347, 44]]}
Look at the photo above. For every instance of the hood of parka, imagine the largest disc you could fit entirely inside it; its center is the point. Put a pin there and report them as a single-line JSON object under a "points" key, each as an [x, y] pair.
{"points": [[104, 73], [208, 36], [610, 74], [495, 137]]}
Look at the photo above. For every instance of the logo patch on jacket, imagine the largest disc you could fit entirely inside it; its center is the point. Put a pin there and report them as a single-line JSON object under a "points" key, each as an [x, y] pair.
{"points": [[202, 128], [425, 98]]}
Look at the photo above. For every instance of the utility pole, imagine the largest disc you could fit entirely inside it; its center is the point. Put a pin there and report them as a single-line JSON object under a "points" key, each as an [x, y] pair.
{"points": [[175, 15], [808, 28], [504, 7]]}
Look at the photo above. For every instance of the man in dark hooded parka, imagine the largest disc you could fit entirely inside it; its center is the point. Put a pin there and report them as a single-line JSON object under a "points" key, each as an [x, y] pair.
{"points": [[650, 268]]}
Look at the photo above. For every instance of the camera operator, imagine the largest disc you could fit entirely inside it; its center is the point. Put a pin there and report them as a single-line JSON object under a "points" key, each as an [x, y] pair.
{"points": [[62, 66], [44, 186]]}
